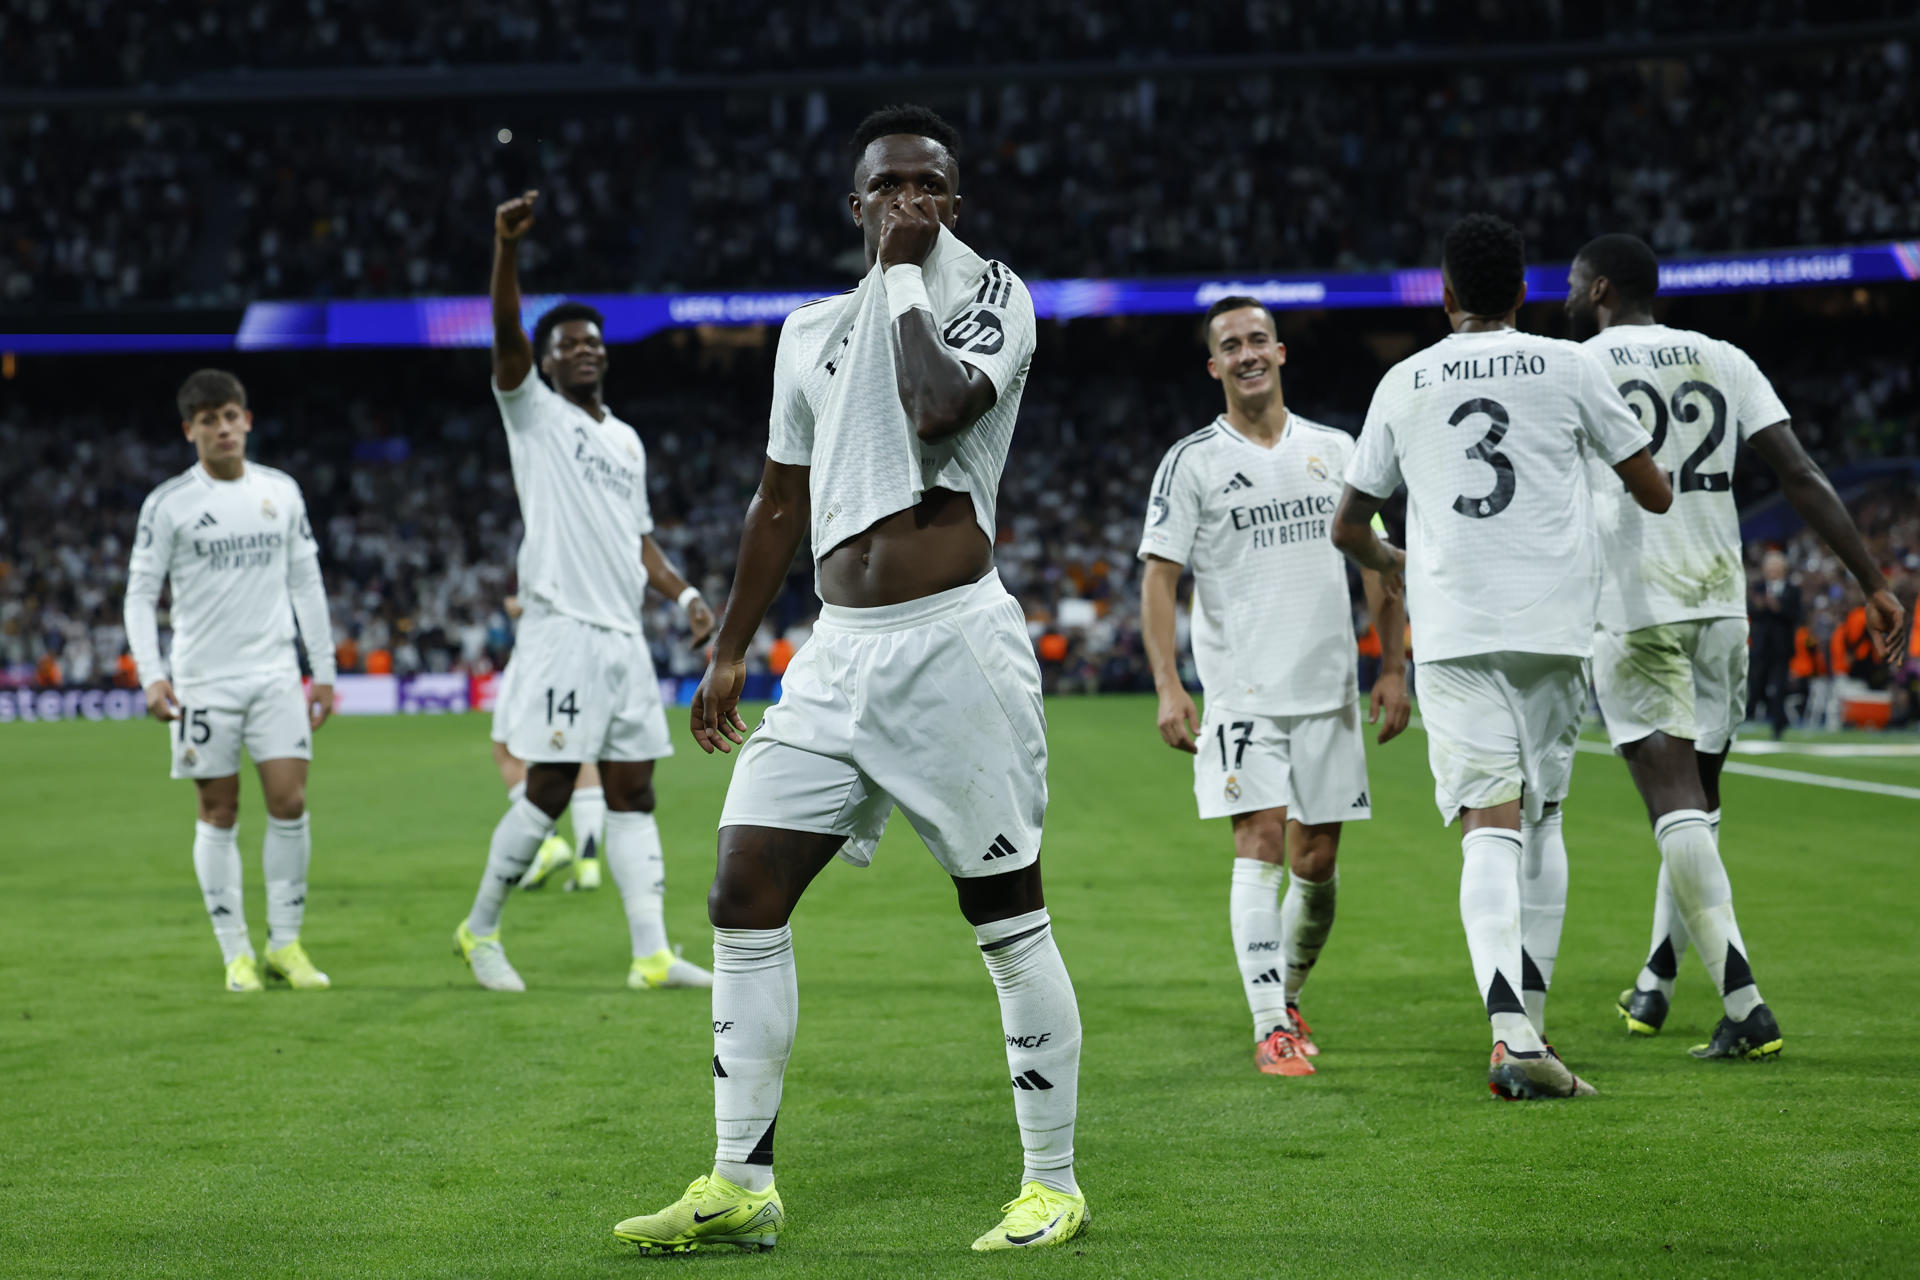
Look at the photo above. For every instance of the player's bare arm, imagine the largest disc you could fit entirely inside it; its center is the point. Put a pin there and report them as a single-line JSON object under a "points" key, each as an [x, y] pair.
{"points": [[665, 577], [1388, 705], [941, 393], [1354, 537], [1645, 481], [1806, 487], [775, 528], [512, 352], [1179, 719]]}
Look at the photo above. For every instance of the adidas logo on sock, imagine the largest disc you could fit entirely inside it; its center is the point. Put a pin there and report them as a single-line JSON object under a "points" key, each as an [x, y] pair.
{"points": [[1031, 1080], [1271, 975], [719, 1072], [1001, 848]]}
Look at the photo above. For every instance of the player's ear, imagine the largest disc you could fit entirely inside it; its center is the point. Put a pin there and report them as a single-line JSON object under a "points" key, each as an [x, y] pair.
{"points": [[853, 203], [954, 218], [1521, 301], [1279, 354], [1213, 370]]}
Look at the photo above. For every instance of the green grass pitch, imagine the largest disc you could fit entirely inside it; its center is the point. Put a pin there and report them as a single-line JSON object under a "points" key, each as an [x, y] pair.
{"points": [[408, 1124]]}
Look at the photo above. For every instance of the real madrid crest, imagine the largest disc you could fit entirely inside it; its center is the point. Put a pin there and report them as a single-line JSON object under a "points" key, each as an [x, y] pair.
{"points": [[1316, 468], [559, 739], [266, 508], [1233, 787]]}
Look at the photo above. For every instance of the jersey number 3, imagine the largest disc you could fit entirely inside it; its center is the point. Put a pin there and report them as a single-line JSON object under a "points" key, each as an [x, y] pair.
{"points": [[1487, 449]]}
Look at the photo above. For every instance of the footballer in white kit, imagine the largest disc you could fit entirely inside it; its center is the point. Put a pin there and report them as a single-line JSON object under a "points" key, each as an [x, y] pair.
{"points": [[1492, 431], [1246, 503], [1670, 655], [893, 408], [233, 539], [583, 686]]}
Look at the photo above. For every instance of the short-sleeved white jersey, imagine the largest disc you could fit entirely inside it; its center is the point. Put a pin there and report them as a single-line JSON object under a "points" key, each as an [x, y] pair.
{"points": [[582, 483], [241, 557], [836, 401], [1272, 618], [1699, 397], [1491, 433]]}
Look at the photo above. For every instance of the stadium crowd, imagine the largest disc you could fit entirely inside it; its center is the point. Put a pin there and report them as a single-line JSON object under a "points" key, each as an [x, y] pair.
{"points": [[406, 478], [161, 42], [1157, 173]]}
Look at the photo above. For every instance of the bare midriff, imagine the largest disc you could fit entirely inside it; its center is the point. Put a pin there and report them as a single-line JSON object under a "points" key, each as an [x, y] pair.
{"points": [[921, 551]]}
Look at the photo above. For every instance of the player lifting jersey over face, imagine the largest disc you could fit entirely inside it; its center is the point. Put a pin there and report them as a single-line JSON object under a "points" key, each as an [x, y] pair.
{"points": [[893, 408]]}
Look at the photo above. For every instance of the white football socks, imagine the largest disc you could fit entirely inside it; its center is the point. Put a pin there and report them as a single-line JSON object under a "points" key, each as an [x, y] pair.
{"points": [[516, 839], [640, 870], [589, 809], [1490, 910], [1041, 1022], [756, 1008], [1306, 916], [1669, 944], [1543, 911], [517, 791], [1705, 899], [216, 861], [1259, 938], [288, 849]]}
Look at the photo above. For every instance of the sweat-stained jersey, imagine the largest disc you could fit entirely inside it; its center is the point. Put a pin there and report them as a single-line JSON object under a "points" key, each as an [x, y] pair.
{"points": [[836, 402], [1272, 619], [243, 563], [1492, 433], [1699, 397], [583, 501]]}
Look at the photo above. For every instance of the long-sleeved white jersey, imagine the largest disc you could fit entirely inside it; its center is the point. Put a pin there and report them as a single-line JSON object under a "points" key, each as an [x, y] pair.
{"points": [[244, 567]]}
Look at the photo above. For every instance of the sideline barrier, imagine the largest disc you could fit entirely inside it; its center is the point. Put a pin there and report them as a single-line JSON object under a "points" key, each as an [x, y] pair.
{"points": [[353, 695], [466, 322]]}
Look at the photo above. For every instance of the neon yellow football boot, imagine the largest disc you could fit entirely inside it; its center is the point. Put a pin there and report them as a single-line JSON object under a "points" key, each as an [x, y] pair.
{"points": [[243, 974], [665, 968], [1036, 1218], [552, 857], [713, 1211], [291, 965]]}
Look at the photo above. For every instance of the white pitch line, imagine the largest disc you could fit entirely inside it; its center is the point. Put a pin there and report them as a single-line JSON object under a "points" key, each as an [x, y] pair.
{"points": [[1792, 775], [1836, 750]]}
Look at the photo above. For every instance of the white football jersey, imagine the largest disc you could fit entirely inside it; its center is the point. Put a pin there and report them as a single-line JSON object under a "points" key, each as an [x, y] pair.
{"points": [[243, 563], [836, 402], [582, 483], [1491, 433], [1699, 397], [1272, 619]]}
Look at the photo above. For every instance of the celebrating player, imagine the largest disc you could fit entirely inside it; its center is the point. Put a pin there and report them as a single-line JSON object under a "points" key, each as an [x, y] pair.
{"points": [[233, 538], [1245, 503], [1490, 429], [1670, 658], [893, 408], [583, 686]]}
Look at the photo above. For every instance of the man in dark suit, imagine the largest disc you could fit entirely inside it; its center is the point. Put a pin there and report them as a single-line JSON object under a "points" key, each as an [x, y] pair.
{"points": [[1773, 611]]}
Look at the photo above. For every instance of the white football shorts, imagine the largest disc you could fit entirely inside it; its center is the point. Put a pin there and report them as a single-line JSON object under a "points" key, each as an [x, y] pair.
{"points": [[933, 705], [1683, 679], [577, 692], [267, 714], [502, 706], [1314, 766], [1500, 727]]}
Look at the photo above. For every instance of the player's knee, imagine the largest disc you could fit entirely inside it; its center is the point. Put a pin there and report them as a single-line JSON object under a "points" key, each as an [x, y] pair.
{"points": [[288, 803], [549, 790], [1315, 860], [1261, 835], [631, 799], [220, 811], [738, 902]]}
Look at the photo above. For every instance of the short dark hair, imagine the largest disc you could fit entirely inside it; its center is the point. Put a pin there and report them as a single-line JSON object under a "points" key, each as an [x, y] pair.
{"points": [[558, 315], [1232, 302], [209, 389], [1627, 263], [903, 117], [1485, 259]]}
